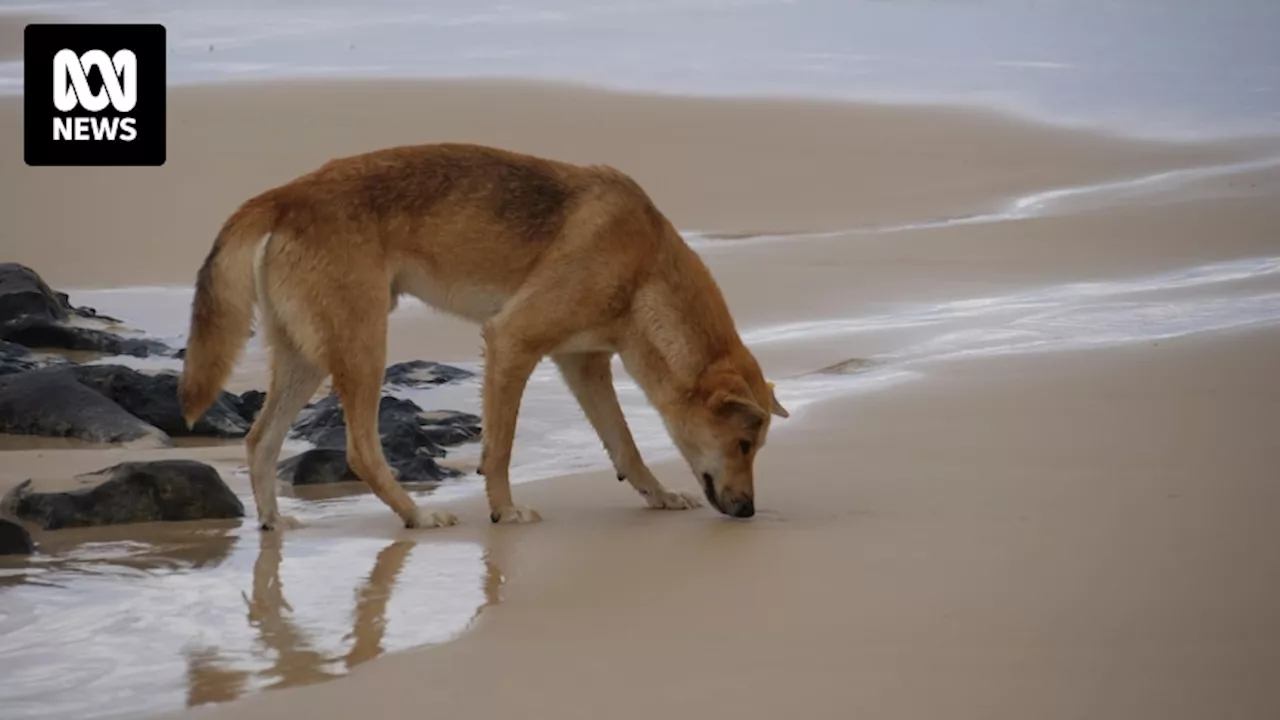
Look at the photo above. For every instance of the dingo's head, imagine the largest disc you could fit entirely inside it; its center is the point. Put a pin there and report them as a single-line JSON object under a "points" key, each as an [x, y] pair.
{"points": [[719, 430]]}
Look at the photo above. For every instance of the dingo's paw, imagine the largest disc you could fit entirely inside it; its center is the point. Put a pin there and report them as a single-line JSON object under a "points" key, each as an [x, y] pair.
{"points": [[279, 522], [673, 500], [515, 514], [427, 519]]}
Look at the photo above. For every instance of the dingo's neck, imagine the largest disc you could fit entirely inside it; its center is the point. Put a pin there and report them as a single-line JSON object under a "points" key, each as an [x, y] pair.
{"points": [[680, 326]]}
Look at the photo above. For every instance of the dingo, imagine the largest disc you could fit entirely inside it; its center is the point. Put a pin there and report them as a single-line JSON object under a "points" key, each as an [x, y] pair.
{"points": [[550, 259]]}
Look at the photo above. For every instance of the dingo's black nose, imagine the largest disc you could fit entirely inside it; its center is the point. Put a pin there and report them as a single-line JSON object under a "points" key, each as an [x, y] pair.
{"points": [[745, 509]]}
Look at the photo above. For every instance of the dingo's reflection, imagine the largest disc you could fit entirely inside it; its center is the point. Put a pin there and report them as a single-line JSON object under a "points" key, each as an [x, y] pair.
{"points": [[110, 624], [293, 652]]}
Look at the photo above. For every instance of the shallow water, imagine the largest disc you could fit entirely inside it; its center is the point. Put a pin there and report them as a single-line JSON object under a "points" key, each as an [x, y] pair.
{"points": [[1175, 68], [107, 628]]}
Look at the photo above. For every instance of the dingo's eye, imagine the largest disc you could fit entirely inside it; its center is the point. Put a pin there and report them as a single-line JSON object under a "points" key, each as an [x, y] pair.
{"points": [[745, 447]]}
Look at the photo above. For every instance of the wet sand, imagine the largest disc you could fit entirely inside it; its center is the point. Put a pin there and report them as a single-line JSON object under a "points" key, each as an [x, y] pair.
{"points": [[1039, 494], [1057, 536]]}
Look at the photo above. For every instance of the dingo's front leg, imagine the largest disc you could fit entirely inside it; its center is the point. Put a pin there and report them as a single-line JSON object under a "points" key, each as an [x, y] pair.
{"points": [[507, 367], [590, 378]]}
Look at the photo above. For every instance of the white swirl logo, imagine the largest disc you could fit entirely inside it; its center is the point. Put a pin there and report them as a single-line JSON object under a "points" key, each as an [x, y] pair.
{"points": [[71, 80]]}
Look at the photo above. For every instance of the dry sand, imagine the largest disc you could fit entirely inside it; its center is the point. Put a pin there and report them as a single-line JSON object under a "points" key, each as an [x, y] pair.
{"points": [[1077, 534], [720, 165]]}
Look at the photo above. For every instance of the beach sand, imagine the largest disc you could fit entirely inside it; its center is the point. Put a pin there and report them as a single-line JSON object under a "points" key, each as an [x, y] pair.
{"points": [[1085, 535], [724, 165], [1078, 532]]}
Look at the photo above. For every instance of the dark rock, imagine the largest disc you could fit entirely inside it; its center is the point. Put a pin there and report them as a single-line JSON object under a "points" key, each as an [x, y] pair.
{"points": [[85, 312], [130, 492], [321, 466], [14, 539], [154, 399], [250, 404], [411, 440], [400, 425], [329, 465], [24, 295], [16, 359], [40, 333], [51, 402], [34, 315], [421, 373]]}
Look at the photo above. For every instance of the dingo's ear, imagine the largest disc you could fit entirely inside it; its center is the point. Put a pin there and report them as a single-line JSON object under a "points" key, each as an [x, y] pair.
{"points": [[775, 407], [740, 409]]}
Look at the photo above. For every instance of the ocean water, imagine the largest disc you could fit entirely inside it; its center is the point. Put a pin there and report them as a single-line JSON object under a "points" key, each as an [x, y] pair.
{"points": [[1169, 68]]}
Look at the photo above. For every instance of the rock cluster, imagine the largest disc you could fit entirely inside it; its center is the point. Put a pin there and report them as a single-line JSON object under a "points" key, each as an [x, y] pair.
{"points": [[412, 440], [45, 393]]}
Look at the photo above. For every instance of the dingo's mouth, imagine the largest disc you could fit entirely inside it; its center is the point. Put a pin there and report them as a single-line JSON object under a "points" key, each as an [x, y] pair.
{"points": [[709, 489]]}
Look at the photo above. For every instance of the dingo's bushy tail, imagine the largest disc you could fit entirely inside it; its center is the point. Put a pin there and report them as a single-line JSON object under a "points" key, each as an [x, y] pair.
{"points": [[222, 310]]}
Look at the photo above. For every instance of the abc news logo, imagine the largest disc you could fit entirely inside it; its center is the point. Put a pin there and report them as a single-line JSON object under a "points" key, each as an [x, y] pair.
{"points": [[71, 90], [94, 94]]}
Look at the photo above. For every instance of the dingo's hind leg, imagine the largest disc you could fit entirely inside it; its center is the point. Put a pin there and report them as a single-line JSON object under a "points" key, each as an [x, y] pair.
{"points": [[590, 379], [294, 379]]}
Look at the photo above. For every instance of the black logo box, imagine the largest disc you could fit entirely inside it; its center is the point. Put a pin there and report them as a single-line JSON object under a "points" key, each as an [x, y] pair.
{"points": [[42, 41]]}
